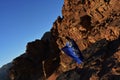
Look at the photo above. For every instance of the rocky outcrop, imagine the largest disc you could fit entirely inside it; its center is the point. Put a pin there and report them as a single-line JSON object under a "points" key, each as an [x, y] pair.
{"points": [[100, 63], [95, 27], [4, 71], [39, 61]]}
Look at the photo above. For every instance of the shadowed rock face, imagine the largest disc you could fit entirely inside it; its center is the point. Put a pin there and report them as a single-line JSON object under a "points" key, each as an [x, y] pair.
{"points": [[100, 63], [4, 71], [95, 27], [39, 61]]}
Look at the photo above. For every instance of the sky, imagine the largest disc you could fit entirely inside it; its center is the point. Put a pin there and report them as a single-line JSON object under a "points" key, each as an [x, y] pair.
{"points": [[23, 21]]}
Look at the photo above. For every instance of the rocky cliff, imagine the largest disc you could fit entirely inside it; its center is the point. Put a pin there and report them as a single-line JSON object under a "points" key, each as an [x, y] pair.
{"points": [[95, 27]]}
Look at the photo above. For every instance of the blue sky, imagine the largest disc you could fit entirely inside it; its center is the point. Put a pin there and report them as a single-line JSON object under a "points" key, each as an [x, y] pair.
{"points": [[22, 21]]}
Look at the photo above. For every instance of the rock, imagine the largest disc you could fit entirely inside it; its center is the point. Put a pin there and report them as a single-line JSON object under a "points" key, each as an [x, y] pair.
{"points": [[95, 27], [4, 71], [39, 61]]}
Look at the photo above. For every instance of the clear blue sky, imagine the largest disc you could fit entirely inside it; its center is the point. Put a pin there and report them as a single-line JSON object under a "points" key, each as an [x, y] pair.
{"points": [[22, 21]]}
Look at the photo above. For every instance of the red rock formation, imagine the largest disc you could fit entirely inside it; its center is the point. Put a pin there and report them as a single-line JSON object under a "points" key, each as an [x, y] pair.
{"points": [[39, 61], [95, 26]]}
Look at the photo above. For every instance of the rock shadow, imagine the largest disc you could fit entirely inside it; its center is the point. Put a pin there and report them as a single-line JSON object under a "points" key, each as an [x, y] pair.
{"points": [[86, 22], [100, 54], [98, 61]]}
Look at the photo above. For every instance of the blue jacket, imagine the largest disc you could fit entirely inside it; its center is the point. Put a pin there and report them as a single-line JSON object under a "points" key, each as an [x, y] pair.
{"points": [[72, 50]]}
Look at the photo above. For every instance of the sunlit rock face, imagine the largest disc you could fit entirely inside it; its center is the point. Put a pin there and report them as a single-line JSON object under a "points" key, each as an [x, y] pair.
{"points": [[95, 27]]}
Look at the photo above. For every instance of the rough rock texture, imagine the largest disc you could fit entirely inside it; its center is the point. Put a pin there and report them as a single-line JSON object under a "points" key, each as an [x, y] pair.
{"points": [[95, 26], [39, 61]]}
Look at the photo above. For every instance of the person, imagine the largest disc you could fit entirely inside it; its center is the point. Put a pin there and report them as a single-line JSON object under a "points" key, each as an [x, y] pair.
{"points": [[72, 50]]}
